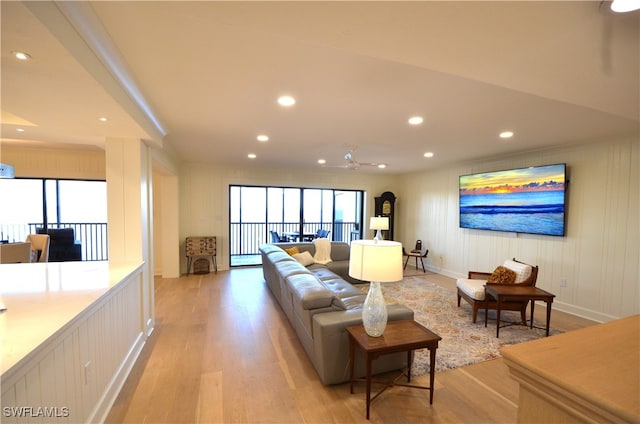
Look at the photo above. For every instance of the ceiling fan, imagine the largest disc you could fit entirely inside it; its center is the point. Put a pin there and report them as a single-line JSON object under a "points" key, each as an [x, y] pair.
{"points": [[353, 164]]}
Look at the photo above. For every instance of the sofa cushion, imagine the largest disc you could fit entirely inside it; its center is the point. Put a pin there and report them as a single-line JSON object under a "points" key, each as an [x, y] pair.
{"points": [[349, 302], [279, 257], [523, 271], [472, 288], [309, 292], [502, 275], [340, 251], [302, 246], [305, 258], [292, 250], [290, 267], [339, 287]]}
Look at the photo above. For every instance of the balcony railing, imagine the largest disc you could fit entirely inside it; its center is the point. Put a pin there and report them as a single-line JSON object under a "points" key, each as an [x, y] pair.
{"points": [[246, 237], [91, 235]]}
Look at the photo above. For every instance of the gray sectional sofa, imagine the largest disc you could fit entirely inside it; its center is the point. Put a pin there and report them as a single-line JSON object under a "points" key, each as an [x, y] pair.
{"points": [[320, 303]]}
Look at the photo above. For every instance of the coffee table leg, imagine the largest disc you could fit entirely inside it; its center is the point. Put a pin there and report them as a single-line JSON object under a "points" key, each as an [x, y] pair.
{"points": [[368, 383], [409, 366], [432, 373]]}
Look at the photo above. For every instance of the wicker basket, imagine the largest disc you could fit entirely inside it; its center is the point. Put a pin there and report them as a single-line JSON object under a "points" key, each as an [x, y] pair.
{"points": [[201, 266]]}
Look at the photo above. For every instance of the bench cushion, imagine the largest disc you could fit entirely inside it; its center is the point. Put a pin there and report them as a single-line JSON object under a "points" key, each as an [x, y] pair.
{"points": [[472, 288]]}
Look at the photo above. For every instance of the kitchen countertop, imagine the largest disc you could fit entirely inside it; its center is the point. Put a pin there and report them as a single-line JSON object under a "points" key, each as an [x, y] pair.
{"points": [[41, 299]]}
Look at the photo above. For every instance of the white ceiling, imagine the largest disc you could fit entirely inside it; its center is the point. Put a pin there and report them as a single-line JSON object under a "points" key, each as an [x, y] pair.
{"points": [[203, 77]]}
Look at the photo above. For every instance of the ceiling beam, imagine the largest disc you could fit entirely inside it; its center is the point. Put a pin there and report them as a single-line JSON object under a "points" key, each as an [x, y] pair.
{"points": [[80, 31]]}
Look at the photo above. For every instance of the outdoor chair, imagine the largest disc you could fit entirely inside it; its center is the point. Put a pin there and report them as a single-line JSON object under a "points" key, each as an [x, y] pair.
{"points": [[276, 238], [515, 272], [39, 246]]}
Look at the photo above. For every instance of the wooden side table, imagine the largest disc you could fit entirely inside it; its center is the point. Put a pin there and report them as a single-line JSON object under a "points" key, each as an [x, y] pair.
{"points": [[399, 336], [200, 247], [506, 292]]}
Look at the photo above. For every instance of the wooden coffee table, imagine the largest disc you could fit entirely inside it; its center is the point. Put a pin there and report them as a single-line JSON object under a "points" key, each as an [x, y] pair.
{"points": [[399, 336], [505, 292]]}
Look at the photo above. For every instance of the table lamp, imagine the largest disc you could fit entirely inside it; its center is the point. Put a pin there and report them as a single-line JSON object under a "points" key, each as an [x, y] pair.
{"points": [[377, 261], [379, 223]]}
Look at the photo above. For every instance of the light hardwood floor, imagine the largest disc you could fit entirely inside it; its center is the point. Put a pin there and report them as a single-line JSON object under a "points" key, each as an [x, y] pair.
{"points": [[223, 352]]}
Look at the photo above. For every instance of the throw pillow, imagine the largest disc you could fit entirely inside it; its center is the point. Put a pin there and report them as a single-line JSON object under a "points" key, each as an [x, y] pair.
{"points": [[523, 271], [502, 275], [292, 250], [304, 258]]}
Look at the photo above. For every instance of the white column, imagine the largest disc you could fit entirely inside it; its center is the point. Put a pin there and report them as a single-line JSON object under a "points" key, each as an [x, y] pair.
{"points": [[169, 245], [129, 212]]}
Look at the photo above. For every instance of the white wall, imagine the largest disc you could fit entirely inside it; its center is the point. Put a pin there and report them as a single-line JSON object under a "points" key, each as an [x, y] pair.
{"points": [[204, 196], [599, 256]]}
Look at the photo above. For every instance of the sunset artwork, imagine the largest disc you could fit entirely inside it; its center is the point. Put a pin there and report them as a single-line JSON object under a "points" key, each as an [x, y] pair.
{"points": [[526, 200]]}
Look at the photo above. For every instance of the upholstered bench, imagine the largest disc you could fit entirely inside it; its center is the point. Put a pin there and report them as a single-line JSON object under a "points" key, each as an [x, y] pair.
{"points": [[512, 271]]}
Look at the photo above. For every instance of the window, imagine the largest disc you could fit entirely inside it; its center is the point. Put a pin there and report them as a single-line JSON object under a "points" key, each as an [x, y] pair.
{"points": [[296, 213], [54, 203]]}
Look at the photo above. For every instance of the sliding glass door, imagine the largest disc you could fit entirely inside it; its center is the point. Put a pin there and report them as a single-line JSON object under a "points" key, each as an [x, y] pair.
{"points": [[39, 205], [259, 215]]}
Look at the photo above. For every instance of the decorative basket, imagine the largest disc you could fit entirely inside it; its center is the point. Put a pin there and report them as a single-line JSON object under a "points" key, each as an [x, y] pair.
{"points": [[201, 266]]}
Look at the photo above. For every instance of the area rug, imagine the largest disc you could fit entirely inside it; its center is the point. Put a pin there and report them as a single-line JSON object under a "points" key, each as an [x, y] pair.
{"points": [[463, 342]]}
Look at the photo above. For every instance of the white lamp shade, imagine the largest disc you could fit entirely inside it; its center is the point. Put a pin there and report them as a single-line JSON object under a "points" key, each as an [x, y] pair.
{"points": [[379, 261], [379, 223]]}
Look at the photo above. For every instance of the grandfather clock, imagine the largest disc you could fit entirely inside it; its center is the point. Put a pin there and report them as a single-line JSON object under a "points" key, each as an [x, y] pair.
{"points": [[385, 206]]}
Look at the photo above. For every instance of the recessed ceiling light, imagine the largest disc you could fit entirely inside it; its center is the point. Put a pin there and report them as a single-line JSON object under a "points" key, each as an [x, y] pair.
{"points": [[322, 161], [262, 138], [102, 119], [382, 165], [416, 120], [506, 134], [286, 101], [428, 155], [22, 55], [252, 156], [20, 129]]}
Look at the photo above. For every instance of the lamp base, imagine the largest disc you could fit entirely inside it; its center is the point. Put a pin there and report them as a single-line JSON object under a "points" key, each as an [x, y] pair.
{"points": [[378, 235], [374, 311]]}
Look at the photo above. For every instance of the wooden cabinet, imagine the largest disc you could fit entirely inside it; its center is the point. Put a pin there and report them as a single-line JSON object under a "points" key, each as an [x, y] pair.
{"points": [[200, 247], [582, 376]]}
